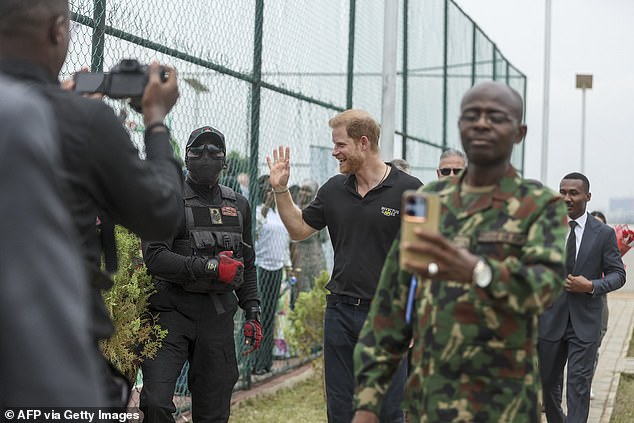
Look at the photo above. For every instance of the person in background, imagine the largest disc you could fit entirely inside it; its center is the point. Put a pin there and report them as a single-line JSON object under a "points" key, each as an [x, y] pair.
{"points": [[307, 255], [271, 257], [451, 162], [605, 313], [360, 207], [473, 303], [570, 330], [400, 164], [243, 180], [201, 275]]}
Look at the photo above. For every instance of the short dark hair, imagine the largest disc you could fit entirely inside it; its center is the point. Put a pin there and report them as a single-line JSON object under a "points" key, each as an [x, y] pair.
{"points": [[16, 16], [581, 177]]}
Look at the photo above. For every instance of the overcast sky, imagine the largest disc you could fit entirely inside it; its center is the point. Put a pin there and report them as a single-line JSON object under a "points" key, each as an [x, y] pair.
{"points": [[587, 36]]}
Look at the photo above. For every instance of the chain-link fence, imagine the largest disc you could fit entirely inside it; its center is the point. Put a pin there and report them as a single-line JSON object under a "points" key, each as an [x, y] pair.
{"points": [[271, 73]]}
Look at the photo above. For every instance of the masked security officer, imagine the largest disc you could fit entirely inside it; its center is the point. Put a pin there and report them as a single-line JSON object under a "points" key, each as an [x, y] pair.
{"points": [[201, 276]]}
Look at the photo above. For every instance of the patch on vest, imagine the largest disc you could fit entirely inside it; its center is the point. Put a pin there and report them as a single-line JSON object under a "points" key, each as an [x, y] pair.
{"points": [[386, 211], [229, 211], [216, 216]]}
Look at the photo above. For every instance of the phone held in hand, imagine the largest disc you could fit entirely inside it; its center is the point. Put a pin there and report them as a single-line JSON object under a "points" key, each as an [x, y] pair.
{"points": [[418, 210]]}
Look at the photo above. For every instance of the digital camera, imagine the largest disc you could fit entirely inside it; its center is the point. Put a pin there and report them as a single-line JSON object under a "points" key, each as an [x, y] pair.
{"points": [[127, 79]]}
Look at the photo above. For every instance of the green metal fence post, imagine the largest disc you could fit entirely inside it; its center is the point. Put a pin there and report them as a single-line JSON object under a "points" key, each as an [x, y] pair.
{"points": [[445, 73], [495, 65], [405, 66], [351, 26], [98, 36], [254, 146], [524, 142], [474, 53]]}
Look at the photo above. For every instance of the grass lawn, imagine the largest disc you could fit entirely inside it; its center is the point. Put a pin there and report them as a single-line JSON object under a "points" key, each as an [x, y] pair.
{"points": [[623, 405], [303, 402]]}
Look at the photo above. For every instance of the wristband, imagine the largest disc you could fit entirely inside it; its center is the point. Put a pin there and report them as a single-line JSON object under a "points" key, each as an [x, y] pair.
{"points": [[281, 192], [252, 313], [156, 125]]}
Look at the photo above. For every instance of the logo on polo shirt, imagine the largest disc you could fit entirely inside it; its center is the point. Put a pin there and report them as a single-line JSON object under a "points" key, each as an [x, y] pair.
{"points": [[386, 211]]}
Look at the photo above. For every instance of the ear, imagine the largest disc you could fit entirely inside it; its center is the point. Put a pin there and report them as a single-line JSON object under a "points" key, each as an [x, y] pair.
{"points": [[522, 129], [58, 30], [364, 142], [588, 196]]}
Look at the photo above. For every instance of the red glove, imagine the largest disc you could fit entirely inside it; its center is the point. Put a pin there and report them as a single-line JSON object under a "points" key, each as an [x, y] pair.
{"points": [[224, 268], [252, 335]]}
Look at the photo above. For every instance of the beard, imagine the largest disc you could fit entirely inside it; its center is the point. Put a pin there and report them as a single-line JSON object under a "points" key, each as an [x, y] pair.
{"points": [[351, 165]]}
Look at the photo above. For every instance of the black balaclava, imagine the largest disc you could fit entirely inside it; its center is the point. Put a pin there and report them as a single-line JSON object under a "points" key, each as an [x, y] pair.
{"points": [[205, 169]]}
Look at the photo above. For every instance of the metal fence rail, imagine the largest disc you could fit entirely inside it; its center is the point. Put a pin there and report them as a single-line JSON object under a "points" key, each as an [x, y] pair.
{"points": [[274, 72]]}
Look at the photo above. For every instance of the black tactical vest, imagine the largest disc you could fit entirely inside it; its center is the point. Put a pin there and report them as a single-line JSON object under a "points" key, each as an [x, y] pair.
{"points": [[212, 228]]}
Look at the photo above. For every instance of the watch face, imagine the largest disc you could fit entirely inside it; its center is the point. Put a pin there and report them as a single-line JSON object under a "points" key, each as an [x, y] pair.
{"points": [[482, 273]]}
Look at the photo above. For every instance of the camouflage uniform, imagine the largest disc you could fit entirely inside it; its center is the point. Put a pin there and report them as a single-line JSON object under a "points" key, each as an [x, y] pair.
{"points": [[474, 356]]}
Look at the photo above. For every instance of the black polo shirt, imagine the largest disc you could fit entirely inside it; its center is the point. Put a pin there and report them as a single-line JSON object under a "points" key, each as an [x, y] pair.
{"points": [[361, 229]]}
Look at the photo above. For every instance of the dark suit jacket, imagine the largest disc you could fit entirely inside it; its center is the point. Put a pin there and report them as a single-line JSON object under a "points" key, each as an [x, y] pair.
{"points": [[598, 260]]}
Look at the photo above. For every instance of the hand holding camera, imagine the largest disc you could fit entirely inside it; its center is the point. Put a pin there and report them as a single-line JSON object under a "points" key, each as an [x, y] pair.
{"points": [[160, 94], [152, 90]]}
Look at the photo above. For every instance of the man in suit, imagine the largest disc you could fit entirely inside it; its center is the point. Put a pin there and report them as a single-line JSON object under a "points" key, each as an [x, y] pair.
{"points": [[570, 329]]}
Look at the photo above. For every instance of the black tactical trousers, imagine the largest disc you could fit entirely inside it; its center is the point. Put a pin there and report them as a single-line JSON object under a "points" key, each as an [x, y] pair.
{"points": [[198, 334]]}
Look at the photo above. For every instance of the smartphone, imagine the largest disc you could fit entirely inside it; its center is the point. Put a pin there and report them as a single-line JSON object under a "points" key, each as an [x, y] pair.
{"points": [[419, 210]]}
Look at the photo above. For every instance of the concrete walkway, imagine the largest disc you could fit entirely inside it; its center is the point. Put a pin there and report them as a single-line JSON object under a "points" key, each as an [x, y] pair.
{"points": [[612, 356]]}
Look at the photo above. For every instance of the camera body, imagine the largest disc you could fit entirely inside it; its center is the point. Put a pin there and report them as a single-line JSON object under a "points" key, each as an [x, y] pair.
{"points": [[127, 79], [419, 209]]}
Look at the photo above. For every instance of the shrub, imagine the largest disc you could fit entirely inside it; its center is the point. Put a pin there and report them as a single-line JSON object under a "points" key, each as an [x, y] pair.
{"points": [[306, 330], [136, 336]]}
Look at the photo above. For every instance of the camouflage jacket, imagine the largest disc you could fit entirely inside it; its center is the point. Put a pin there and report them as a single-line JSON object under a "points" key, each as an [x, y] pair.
{"points": [[474, 356]]}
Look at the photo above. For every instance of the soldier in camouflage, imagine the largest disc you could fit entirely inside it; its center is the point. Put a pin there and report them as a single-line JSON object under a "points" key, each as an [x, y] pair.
{"points": [[497, 263]]}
